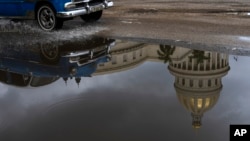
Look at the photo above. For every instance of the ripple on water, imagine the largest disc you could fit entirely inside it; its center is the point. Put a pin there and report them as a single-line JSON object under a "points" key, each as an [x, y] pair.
{"points": [[62, 104], [65, 114]]}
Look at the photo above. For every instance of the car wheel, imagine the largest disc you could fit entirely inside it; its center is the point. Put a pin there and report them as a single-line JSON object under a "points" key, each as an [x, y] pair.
{"points": [[92, 17], [50, 54], [47, 19]]}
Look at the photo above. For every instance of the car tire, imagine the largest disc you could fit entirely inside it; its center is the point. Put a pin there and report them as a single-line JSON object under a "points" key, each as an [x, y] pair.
{"points": [[46, 18], [50, 54], [92, 17]]}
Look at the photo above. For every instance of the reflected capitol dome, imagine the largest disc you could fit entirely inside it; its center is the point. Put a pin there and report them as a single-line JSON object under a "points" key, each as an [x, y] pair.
{"points": [[197, 73], [198, 77]]}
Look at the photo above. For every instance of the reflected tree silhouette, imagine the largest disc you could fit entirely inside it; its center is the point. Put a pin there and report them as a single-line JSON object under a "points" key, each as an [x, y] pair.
{"points": [[165, 52], [199, 56]]}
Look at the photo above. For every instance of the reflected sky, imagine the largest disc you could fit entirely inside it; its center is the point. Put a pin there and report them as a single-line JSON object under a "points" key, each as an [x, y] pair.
{"points": [[139, 103]]}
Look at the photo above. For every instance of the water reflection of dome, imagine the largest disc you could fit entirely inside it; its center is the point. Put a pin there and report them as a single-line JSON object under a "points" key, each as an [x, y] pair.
{"points": [[198, 83], [197, 103], [197, 74]]}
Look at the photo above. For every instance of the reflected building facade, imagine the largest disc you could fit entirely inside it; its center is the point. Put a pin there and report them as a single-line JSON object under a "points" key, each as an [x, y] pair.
{"points": [[127, 55]]}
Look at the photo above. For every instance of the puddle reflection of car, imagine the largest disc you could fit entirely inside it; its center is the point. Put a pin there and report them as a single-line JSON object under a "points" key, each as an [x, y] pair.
{"points": [[51, 14], [53, 62]]}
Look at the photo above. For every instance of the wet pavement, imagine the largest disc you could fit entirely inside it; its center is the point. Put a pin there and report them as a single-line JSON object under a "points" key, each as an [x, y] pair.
{"points": [[144, 72]]}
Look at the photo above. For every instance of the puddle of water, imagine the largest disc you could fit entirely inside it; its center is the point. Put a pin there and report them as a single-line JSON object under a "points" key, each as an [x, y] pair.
{"points": [[1, 125], [240, 14], [144, 91]]}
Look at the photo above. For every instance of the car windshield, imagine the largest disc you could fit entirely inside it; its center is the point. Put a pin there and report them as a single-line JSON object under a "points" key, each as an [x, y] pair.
{"points": [[41, 81], [14, 78]]}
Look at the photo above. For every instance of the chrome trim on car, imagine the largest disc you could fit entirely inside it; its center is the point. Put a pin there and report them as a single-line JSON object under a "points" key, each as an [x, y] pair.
{"points": [[75, 54], [88, 56], [73, 11], [108, 3], [80, 0]]}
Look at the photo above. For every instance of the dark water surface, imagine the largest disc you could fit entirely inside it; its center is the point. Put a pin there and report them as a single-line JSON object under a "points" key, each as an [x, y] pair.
{"points": [[134, 96]]}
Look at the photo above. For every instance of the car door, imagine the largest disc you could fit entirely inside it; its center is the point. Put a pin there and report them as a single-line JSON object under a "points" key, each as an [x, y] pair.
{"points": [[10, 8]]}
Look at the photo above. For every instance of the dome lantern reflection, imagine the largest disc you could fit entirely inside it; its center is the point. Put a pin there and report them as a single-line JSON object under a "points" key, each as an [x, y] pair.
{"points": [[197, 102], [196, 120]]}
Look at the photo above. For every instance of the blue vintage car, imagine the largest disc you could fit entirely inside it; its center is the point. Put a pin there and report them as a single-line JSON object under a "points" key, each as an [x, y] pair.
{"points": [[50, 14]]}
